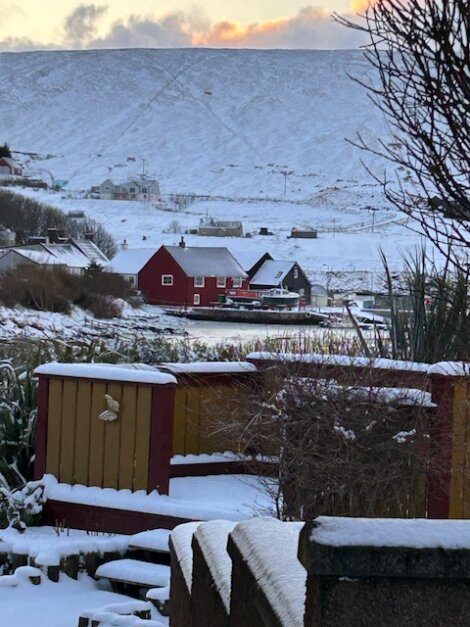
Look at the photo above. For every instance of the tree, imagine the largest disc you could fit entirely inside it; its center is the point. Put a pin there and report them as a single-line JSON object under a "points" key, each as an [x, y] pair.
{"points": [[420, 50], [5, 151]]}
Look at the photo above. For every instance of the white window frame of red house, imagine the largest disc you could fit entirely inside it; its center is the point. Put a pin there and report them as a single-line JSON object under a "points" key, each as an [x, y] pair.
{"points": [[196, 299], [237, 281], [165, 282], [296, 272], [221, 281], [199, 281]]}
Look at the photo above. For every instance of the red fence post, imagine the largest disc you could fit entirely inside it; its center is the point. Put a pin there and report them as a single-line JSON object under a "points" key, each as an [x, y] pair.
{"points": [[161, 437]]}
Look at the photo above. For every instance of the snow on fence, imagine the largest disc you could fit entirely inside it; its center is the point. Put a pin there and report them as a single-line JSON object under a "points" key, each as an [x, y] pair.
{"points": [[332, 571]]}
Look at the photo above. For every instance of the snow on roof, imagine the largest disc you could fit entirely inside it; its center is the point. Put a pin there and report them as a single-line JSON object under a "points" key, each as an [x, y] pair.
{"points": [[270, 548], [248, 258], [415, 533], [132, 260], [37, 256], [272, 272], [68, 255], [108, 372], [10, 162], [206, 261], [90, 250]]}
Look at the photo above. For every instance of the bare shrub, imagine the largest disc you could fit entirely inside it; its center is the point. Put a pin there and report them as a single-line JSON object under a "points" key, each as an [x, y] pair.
{"points": [[56, 290], [350, 449]]}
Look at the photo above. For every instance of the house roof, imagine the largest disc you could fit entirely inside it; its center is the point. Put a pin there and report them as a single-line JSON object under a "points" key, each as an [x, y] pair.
{"points": [[132, 260], [40, 257], [272, 272], [68, 255], [248, 258], [206, 261], [90, 250], [10, 162]]}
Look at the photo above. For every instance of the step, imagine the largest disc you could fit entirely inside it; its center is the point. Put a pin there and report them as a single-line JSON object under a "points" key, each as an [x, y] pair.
{"points": [[155, 540], [135, 572]]}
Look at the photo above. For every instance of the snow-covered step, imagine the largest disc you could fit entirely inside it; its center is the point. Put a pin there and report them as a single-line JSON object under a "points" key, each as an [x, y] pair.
{"points": [[135, 572], [155, 540]]}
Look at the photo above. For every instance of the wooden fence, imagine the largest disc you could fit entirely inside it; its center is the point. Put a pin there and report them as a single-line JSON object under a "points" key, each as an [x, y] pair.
{"points": [[169, 412]]}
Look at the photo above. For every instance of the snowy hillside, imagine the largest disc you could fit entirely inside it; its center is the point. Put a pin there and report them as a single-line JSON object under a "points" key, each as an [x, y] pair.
{"points": [[225, 123]]}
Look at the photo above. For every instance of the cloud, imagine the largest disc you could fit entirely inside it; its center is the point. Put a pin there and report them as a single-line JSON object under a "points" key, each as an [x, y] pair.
{"points": [[172, 31], [359, 6], [312, 27], [80, 26]]}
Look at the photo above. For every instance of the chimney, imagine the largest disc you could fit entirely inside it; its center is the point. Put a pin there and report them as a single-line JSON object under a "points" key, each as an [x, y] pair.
{"points": [[53, 236], [124, 245], [182, 243], [90, 236]]}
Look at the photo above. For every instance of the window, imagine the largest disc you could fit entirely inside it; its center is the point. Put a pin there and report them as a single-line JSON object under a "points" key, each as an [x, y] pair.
{"points": [[221, 281], [198, 281], [278, 274], [167, 279], [132, 190], [144, 190], [296, 272], [237, 281], [131, 279], [196, 299]]}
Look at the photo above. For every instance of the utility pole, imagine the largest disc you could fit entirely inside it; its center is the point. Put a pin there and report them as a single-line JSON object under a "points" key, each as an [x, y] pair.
{"points": [[373, 209], [286, 173], [143, 168]]}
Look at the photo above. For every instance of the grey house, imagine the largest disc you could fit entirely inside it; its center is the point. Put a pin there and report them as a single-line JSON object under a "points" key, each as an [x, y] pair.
{"points": [[286, 274]]}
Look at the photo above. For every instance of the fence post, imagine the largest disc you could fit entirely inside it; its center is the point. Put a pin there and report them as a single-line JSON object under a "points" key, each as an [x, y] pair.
{"points": [[446, 482], [161, 438]]}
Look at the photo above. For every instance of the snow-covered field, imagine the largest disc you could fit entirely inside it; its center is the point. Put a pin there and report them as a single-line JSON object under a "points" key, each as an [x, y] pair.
{"points": [[261, 134]]}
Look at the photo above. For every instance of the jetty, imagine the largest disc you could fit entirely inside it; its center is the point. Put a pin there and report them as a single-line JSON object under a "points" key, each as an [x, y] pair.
{"points": [[256, 316]]}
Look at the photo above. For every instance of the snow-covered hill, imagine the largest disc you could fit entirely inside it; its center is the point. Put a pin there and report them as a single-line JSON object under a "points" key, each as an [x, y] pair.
{"points": [[206, 121], [264, 131]]}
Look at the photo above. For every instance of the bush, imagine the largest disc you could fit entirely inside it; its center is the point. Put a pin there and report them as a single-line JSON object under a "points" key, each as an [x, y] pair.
{"points": [[342, 450], [56, 290]]}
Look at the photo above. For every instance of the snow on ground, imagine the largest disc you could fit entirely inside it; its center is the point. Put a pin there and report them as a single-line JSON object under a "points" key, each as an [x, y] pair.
{"points": [[55, 604], [231, 497], [47, 547], [261, 135]]}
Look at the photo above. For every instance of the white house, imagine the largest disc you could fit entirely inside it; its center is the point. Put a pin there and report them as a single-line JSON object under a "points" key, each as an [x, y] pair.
{"points": [[137, 188]]}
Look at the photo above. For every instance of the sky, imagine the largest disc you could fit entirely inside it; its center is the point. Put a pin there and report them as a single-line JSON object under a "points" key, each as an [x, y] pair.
{"points": [[71, 24]]}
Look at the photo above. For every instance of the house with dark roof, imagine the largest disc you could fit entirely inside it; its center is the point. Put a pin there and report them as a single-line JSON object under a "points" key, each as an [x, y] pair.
{"points": [[251, 260], [287, 274], [181, 275]]}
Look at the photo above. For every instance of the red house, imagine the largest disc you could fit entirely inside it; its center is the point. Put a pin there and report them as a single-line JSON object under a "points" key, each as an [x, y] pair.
{"points": [[9, 167], [182, 275]]}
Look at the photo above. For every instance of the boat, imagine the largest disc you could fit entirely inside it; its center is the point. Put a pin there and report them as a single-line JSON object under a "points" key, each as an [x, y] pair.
{"points": [[273, 298], [279, 297]]}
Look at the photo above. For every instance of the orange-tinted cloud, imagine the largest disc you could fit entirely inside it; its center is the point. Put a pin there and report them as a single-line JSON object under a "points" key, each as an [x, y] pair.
{"points": [[359, 6], [234, 33]]}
